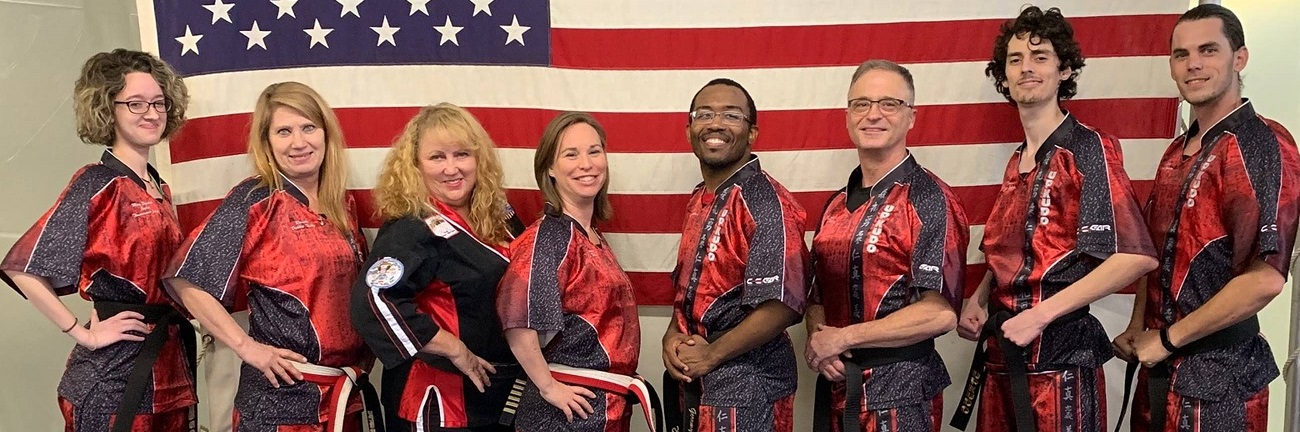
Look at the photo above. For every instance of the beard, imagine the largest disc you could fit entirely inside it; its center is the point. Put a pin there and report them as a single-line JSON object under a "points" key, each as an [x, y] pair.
{"points": [[1210, 96], [722, 158]]}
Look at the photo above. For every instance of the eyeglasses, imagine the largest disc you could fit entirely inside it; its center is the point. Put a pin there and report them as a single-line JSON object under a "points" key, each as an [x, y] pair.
{"points": [[728, 117], [888, 106], [140, 107]]}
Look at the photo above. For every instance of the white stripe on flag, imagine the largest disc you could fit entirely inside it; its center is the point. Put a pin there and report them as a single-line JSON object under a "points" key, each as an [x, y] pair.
{"points": [[607, 14], [678, 173], [641, 91]]}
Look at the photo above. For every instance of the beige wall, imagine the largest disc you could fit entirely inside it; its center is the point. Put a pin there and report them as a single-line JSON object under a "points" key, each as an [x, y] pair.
{"points": [[45, 41]]}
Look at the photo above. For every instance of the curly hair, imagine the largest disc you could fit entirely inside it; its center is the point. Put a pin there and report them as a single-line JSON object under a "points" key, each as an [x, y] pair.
{"points": [[103, 77], [401, 190], [332, 191], [1038, 25], [548, 151]]}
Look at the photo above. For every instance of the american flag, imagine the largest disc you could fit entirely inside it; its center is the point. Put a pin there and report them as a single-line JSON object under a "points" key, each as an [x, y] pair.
{"points": [[635, 65]]}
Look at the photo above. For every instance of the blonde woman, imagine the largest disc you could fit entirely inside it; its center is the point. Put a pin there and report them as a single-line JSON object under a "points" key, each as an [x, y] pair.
{"points": [[426, 303], [109, 237], [284, 244]]}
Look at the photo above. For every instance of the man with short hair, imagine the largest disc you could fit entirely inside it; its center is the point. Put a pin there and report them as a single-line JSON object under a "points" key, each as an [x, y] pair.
{"points": [[741, 278], [1065, 231], [889, 258], [1223, 214]]}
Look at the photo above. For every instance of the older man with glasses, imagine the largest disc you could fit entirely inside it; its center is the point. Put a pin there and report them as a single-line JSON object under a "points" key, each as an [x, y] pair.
{"points": [[741, 278], [888, 259]]}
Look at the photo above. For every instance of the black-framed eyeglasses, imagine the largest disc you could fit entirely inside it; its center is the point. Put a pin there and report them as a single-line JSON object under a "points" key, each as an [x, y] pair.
{"points": [[140, 107], [731, 117], [887, 105]]}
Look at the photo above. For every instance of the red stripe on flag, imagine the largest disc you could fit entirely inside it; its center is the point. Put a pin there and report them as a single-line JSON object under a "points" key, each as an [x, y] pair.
{"points": [[834, 45], [671, 208], [666, 132]]}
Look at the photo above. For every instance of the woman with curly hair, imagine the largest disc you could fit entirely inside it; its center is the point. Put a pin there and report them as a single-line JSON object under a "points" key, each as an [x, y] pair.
{"points": [[425, 306], [285, 245], [109, 238]]}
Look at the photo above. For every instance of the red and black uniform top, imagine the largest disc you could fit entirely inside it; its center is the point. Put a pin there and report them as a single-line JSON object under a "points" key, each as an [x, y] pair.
{"points": [[266, 251], [109, 240], [1214, 213], [742, 245], [1055, 224], [574, 294], [877, 249], [428, 276]]}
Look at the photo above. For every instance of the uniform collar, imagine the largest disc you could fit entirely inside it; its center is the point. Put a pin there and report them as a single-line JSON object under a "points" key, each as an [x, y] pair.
{"points": [[1058, 137], [293, 190], [111, 161], [895, 175], [1238, 115], [749, 169]]}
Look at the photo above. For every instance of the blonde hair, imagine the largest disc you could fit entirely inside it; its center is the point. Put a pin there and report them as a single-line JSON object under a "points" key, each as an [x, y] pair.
{"points": [[331, 193], [104, 76], [402, 192], [548, 151]]}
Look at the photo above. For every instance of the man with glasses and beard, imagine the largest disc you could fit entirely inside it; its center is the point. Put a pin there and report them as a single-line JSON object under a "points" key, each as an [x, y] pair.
{"points": [[741, 277]]}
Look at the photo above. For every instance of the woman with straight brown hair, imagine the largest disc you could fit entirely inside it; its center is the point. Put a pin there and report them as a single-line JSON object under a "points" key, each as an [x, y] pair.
{"points": [[286, 245], [565, 302]]}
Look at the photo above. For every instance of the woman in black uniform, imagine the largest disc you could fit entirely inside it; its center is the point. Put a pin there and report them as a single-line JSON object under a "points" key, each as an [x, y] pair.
{"points": [[425, 304]]}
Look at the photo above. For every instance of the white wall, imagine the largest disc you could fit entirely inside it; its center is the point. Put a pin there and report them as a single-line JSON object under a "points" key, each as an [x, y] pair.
{"points": [[45, 42], [42, 46], [1271, 83]]}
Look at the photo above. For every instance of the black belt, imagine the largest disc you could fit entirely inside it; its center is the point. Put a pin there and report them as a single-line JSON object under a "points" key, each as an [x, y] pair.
{"points": [[1159, 375], [163, 316], [862, 359], [370, 395], [684, 416], [1017, 371]]}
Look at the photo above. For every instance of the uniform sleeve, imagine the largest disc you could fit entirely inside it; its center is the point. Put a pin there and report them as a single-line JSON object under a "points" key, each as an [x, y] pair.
{"points": [[530, 292], [1110, 219], [1261, 211], [383, 307], [55, 246], [942, 235], [814, 288], [777, 266], [214, 253]]}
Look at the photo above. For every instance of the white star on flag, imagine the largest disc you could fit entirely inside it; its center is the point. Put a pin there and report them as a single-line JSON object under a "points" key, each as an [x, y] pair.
{"points": [[189, 42], [220, 11], [448, 32], [286, 8], [349, 7], [318, 35], [419, 6], [482, 6], [386, 33], [514, 31], [256, 36]]}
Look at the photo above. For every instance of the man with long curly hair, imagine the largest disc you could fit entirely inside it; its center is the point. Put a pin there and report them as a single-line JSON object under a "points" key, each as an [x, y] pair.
{"points": [[1065, 231]]}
